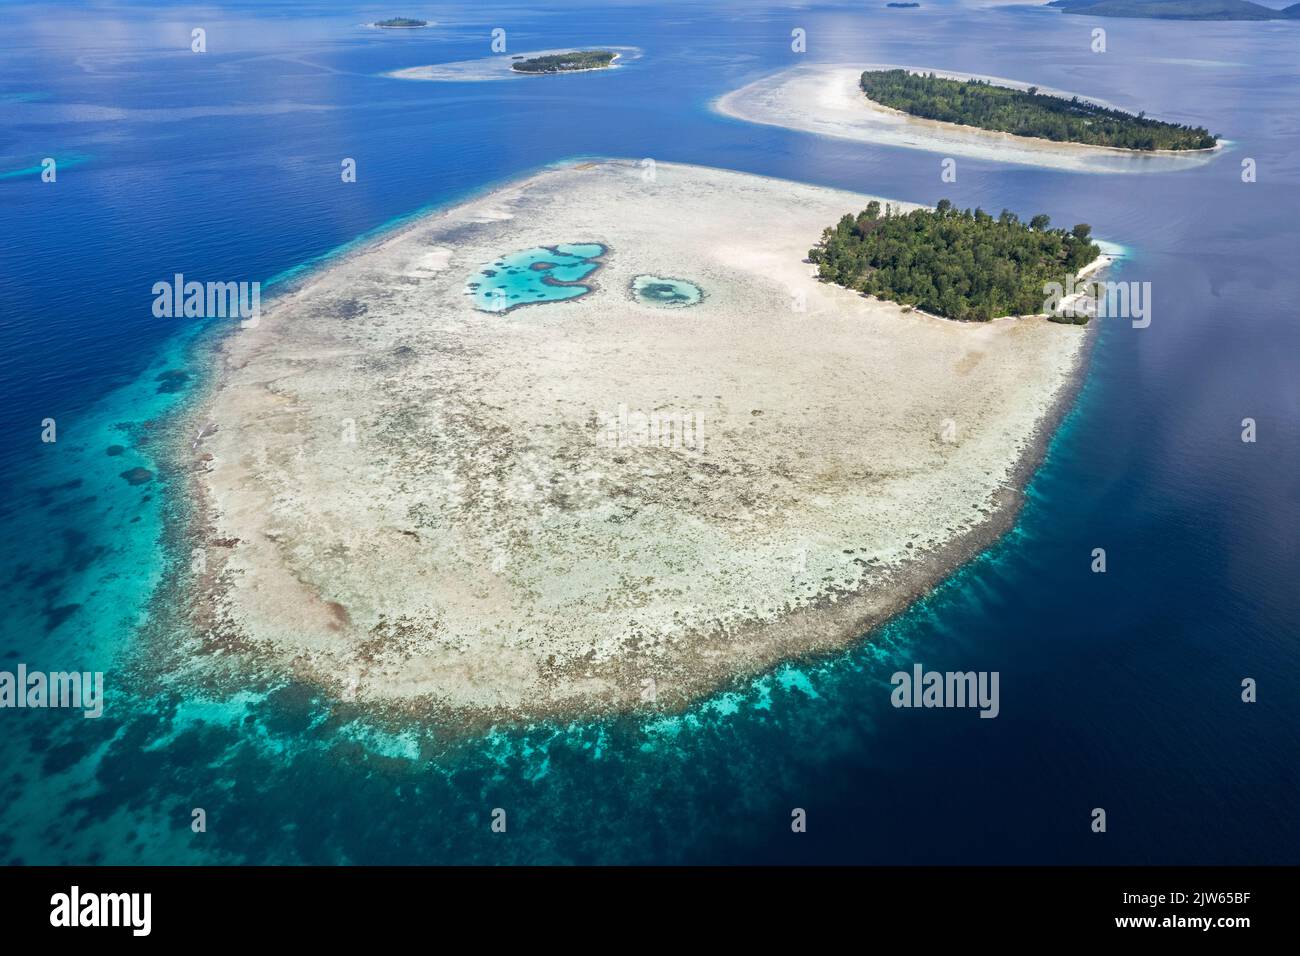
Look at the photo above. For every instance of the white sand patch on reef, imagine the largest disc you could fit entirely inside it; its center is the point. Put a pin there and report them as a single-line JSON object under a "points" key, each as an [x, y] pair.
{"points": [[827, 100], [422, 503], [430, 263]]}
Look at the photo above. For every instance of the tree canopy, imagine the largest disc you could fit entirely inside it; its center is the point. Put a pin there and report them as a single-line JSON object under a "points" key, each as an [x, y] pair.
{"points": [[1025, 113], [964, 265], [565, 62]]}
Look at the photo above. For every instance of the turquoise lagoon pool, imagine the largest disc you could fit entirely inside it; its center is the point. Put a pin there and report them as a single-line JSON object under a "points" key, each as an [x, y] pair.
{"points": [[666, 293], [533, 276]]}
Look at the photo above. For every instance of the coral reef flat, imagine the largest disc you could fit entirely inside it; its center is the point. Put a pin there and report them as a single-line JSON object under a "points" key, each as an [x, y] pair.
{"points": [[586, 505]]}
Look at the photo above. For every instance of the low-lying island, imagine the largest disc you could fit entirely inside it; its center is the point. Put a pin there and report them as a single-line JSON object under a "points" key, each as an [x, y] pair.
{"points": [[429, 495], [829, 99]]}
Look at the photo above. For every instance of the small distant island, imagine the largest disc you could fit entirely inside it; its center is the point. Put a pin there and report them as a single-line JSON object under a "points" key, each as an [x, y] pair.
{"points": [[981, 104], [573, 62], [960, 265], [1178, 9]]}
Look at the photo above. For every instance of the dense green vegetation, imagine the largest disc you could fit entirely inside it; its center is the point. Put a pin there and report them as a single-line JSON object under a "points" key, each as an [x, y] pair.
{"points": [[402, 22], [961, 265], [566, 62], [1025, 113], [1178, 9]]}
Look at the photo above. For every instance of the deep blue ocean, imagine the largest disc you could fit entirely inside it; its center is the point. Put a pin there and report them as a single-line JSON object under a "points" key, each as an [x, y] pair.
{"points": [[1119, 690]]}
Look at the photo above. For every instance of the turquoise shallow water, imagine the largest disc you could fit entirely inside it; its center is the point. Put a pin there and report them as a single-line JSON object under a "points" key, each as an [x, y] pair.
{"points": [[66, 159], [535, 276]]}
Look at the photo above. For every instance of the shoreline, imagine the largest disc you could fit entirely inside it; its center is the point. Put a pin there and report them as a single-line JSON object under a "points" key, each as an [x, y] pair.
{"points": [[1102, 262], [1038, 140], [826, 99], [837, 620]]}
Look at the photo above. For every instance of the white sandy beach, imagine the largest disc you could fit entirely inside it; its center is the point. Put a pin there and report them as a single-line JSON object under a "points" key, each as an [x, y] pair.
{"points": [[416, 502], [826, 99]]}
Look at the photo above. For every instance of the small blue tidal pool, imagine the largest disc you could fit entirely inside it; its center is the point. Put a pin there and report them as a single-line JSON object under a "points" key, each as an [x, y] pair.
{"points": [[666, 293]]}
